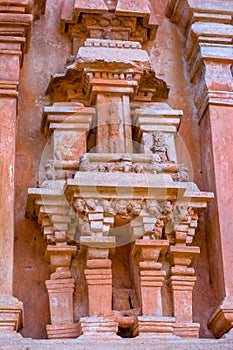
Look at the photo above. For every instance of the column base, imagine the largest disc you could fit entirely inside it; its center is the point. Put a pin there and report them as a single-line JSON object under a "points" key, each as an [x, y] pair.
{"points": [[99, 327], [155, 327], [187, 330], [11, 310], [222, 320], [62, 331]]}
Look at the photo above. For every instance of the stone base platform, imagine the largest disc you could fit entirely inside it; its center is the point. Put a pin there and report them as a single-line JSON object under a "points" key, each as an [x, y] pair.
{"points": [[63, 331], [151, 326], [187, 330], [124, 344], [99, 327]]}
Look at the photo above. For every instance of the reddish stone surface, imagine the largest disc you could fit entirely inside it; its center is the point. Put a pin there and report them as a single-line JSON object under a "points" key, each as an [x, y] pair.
{"points": [[211, 76], [47, 55]]}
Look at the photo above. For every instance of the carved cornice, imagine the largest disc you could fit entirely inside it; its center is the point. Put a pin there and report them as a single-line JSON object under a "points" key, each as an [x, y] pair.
{"points": [[15, 23], [15, 28], [186, 12], [108, 66], [208, 29], [118, 20]]}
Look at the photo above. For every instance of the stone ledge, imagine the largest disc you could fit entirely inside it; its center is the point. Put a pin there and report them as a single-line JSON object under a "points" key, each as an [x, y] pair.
{"points": [[126, 344]]}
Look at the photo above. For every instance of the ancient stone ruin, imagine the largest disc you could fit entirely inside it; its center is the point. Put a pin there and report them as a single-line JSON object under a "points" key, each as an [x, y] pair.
{"points": [[116, 199]]}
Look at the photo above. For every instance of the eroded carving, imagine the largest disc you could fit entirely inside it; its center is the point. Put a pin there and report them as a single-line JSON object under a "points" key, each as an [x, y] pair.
{"points": [[153, 164], [159, 147], [114, 20]]}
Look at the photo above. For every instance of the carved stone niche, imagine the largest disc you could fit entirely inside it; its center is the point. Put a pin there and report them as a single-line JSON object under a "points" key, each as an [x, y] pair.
{"points": [[65, 126], [118, 20]]}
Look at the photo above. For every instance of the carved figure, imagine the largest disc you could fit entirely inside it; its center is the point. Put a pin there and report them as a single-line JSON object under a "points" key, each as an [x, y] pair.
{"points": [[113, 127], [121, 207], [179, 213], [108, 208], [154, 208], [156, 231], [154, 166], [183, 173], [85, 164], [126, 167], [50, 170], [159, 147], [102, 168], [51, 173], [63, 148], [138, 168], [134, 207], [92, 203], [80, 206], [85, 226], [168, 210]]}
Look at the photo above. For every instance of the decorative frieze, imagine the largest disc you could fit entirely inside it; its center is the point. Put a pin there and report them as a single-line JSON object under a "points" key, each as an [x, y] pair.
{"points": [[120, 20]]}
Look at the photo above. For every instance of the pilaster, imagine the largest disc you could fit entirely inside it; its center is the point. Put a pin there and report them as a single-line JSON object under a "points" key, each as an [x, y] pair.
{"points": [[61, 289], [152, 322], [208, 51], [98, 274], [181, 281], [15, 24]]}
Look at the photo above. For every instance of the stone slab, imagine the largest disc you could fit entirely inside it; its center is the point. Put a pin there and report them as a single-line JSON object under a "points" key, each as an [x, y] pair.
{"points": [[126, 344], [112, 54]]}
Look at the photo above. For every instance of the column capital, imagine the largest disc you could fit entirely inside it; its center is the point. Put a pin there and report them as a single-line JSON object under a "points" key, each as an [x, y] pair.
{"points": [[15, 30], [15, 25], [187, 12]]}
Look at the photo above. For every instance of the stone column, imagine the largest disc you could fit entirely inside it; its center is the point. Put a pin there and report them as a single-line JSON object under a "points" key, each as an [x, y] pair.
{"points": [[98, 275], [152, 322], [61, 288], [182, 280], [14, 36], [209, 54]]}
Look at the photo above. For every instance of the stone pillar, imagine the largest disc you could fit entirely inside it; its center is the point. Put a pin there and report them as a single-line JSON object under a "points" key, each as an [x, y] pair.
{"points": [[61, 288], [209, 55], [14, 36], [98, 275], [182, 280], [152, 322]]}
